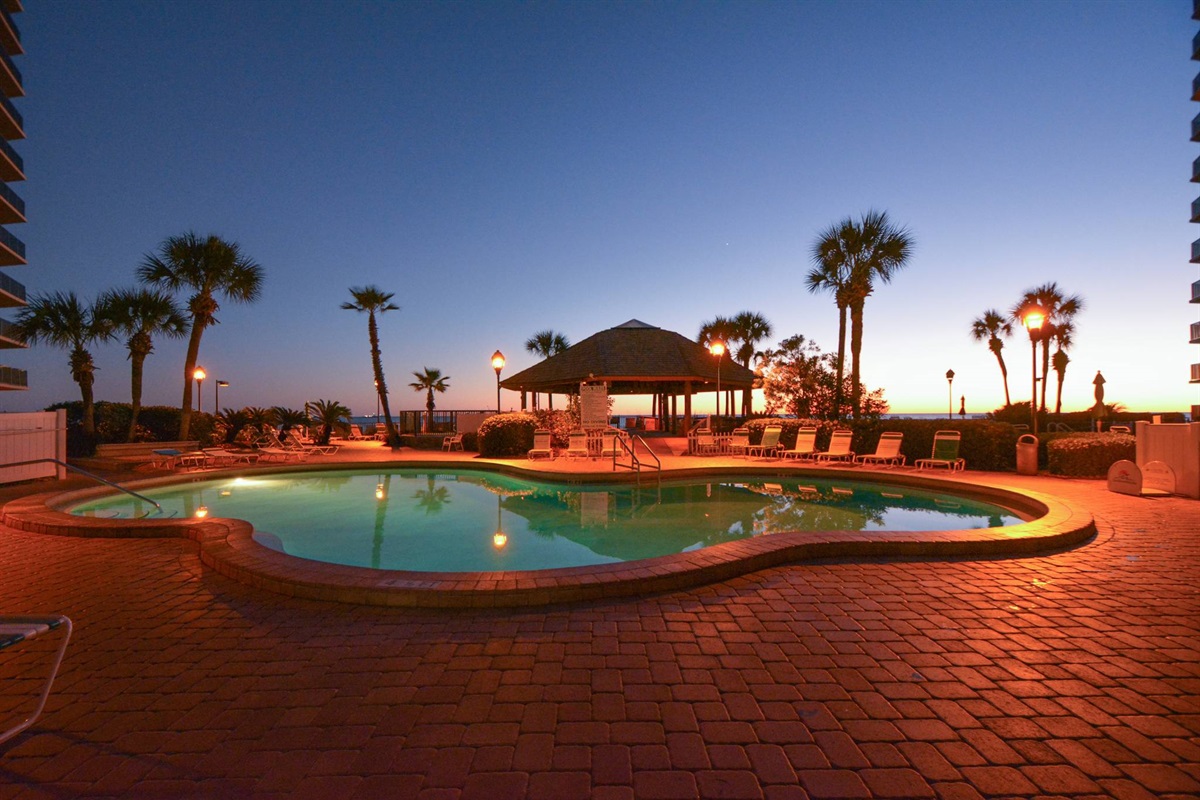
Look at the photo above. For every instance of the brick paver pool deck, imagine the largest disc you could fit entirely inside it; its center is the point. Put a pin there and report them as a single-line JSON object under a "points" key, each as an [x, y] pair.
{"points": [[1074, 674]]}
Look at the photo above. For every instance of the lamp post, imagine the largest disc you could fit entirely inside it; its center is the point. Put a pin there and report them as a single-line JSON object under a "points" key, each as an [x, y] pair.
{"points": [[497, 364], [217, 387], [199, 375], [1033, 320], [950, 382], [717, 348], [377, 406]]}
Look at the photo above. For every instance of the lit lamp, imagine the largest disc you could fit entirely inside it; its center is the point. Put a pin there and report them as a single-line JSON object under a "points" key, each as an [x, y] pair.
{"points": [[1033, 321], [498, 364], [201, 512], [379, 491], [499, 539], [717, 348], [199, 375], [217, 395], [950, 381], [377, 406]]}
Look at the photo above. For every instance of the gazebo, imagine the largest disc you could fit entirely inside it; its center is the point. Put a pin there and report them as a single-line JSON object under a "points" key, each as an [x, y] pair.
{"points": [[635, 358]]}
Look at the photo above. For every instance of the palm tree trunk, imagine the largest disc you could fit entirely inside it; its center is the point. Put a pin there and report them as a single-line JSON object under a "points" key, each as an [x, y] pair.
{"points": [[189, 366], [1004, 376], [137, 360], [841, 363], [1045, 366], [377, 363], [429, 411], [856, 331], [89, 407]]}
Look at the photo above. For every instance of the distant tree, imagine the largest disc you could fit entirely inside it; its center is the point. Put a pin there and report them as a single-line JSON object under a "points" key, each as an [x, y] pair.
{"points": [[372, 300], [140, 314], [286, 419], [799, 379], [750, 328], [991, 325], [208, 268], [62, 320], [326, 415], [429, 381], [1058, 309], [545, 344], [230, 423], [850, 256]]}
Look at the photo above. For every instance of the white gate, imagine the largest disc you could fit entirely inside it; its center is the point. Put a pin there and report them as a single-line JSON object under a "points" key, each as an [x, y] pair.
{"points": [[30, 436]]}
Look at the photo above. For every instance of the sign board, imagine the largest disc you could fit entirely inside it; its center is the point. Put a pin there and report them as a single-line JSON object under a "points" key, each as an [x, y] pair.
{"points": [[1124, 477], [593, 509], [593, 405], [1158, 478]]}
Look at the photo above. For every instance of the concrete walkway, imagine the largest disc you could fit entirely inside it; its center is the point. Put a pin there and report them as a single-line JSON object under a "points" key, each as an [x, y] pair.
{"points": [[1074, 675]]}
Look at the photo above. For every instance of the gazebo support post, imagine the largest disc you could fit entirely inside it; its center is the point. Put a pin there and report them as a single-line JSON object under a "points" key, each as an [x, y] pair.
{"points": [[674, 411], [687, 407], [524, 407]]}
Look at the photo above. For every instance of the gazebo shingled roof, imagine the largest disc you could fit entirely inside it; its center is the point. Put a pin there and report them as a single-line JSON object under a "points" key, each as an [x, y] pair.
{"points": [[633, 358]]}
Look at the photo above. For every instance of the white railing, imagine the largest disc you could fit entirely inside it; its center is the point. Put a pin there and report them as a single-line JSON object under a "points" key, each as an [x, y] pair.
{"points": [[33, 436]]}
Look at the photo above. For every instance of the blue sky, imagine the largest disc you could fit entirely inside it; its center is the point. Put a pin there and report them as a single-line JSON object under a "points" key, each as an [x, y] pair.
{"points": [[506, 168]]}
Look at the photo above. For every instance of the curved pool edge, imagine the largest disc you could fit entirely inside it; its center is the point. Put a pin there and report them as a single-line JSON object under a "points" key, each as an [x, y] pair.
{"points": [[226, 546]]}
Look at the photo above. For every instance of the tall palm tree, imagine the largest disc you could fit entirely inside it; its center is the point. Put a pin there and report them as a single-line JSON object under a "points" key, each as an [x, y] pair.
{"points": [[1063, 333], [1058, 309], [750, 328], [373, 300], [429, 381], [327, 414], [208, 268], [863, 252], [724, 330], [545, 344], [140, 314], [830, 275], [62, 320], [991, 325]]}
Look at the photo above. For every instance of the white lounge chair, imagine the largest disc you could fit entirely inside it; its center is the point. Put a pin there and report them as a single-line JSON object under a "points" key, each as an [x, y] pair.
{"points": [[945, 452], [839, 447], [577, 445], [705, 444], [769, 445], [14, 631], [806, 444], [887, 452], [739, 442], [541, 446]]}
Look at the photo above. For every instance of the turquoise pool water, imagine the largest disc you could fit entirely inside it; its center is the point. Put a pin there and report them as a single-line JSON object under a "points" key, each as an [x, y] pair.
{"points": [[474, 521]]}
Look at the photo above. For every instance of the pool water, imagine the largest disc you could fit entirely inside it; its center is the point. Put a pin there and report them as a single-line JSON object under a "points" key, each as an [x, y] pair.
{"points": [[475, 521]]}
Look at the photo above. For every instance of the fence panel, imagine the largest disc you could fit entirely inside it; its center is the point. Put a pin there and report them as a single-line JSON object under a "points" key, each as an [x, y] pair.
{"points": [[29, 436]]}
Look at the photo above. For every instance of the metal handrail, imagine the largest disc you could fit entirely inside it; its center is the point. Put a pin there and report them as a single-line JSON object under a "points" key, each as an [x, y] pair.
{"points": [[85, 473], [635, 463]]}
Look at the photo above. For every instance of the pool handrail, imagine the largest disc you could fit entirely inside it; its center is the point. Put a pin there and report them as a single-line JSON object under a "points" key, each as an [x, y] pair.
{"points": [[635, 463], [87, 474]]}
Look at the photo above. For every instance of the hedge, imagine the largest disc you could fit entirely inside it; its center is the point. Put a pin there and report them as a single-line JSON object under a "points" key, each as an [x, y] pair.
{"points": [[1089, 455], [155, 424], [505, 435]]}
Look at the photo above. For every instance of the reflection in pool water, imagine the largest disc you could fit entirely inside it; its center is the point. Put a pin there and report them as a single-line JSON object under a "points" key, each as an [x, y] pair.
{"points": [[473, 521]]}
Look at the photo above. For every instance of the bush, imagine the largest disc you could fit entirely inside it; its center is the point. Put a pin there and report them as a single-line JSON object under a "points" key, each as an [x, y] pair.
{"points": [[1088, 455], [506, 435], [155, 424]]}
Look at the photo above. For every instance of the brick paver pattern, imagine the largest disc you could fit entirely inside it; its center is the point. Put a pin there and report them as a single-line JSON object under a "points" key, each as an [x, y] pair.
{"points": [[1075, 674]]}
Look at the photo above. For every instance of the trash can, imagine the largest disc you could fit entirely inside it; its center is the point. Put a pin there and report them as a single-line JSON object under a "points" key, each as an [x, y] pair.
{"points": [[1027, 447]]}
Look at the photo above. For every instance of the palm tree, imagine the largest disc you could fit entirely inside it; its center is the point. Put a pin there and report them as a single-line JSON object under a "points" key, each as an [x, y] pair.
{"points": [[1063, 332], [545, 344], [991, 326], [723, 330], [62, 320], [374, 300], [328, 414], [429, 381], [750, 328], [850, 256], [140, 314], [1057, 308], [286, 419], [207, 267]]}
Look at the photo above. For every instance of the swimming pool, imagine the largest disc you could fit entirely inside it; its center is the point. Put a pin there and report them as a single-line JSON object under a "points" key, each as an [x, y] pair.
{"points": [[443, 520]]}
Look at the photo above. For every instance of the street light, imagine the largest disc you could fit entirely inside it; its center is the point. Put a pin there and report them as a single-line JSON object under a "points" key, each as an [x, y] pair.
{"points": [[717, 348], [377, 406], [1033, 320], [950, 381], [217, 395], [199, 374], [497, 364]]}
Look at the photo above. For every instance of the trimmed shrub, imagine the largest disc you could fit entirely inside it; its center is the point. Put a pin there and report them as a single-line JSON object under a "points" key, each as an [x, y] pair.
{"points": [[1088, 455], [155, 424], [505, 435]]}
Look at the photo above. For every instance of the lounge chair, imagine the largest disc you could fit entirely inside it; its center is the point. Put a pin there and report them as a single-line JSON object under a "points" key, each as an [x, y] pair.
{"points": [[541, 446], [769, 447], [219, 456], [739, 442], [839, 447], [945, 452], [705, 444], [577, 445], [452, 442], [14, 631], [806, 444], [294, 442], [356, 434], [887, 452]]}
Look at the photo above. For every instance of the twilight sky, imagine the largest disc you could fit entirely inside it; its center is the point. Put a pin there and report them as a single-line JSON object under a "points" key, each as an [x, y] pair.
{"points": [[506, 168]]}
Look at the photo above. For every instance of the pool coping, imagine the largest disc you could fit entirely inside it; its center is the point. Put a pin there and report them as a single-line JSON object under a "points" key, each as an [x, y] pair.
{"points": [[226, 545]]}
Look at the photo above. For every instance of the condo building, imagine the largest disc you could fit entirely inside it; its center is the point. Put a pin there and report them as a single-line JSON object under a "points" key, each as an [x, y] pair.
{"points": [[12, 207]]}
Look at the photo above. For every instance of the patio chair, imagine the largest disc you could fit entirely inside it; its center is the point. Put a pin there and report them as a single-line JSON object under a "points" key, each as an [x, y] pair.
{"points": [[887, 452], [541, 446], [452, 442], [609, 448], [945, 452], [577, 445], [806, 444], [839, 447], [769, 446], [14, 631], [739, 442], [356, 434], [705, 444]]}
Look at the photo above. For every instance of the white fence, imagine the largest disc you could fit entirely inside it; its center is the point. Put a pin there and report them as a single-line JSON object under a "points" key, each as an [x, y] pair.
{"points": [[1178, 446], [26, 437]]}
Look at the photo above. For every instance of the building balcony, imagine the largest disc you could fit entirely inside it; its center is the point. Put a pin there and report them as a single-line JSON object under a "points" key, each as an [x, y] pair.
{"points": [[12, 166], [12, 6], [12, 250], [10, 78], [1196, 252], [12, 126], [1196, 10], [12, 207], [1196, 47], [1195, 210], [12, 293], [10, 34], [8, 336], [1195, 334], [1196, 87], [12, 378], [1195, 374]]}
